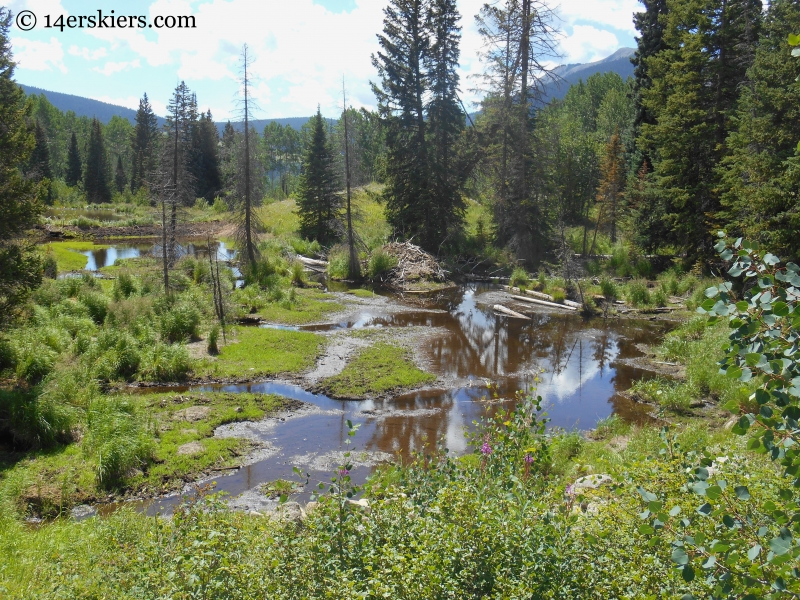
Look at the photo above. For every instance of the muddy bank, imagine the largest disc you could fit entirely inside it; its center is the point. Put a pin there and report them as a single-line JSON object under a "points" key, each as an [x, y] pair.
{"points": [[110, 232]]}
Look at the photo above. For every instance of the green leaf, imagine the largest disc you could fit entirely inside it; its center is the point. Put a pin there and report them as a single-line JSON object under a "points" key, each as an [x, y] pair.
{"points": [[674, 511], [742, 306], [687, 573], [780, 545], [680, 557], [753, 553], [771, 259], [711, 292], [646, 529], [742, 493], [713, 492], [794, 40], [733, 372]]}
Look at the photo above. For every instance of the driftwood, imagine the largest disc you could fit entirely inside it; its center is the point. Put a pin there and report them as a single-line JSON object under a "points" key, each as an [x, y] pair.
{"points": [[547, 297], [312, 262], [508, 312], [543, 302]]}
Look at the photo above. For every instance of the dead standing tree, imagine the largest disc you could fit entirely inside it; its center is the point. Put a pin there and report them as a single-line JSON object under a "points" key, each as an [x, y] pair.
{"points": [[354, 267]]}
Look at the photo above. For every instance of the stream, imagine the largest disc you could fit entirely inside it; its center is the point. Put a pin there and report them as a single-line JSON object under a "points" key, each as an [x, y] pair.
{"points": [[578, 363]]}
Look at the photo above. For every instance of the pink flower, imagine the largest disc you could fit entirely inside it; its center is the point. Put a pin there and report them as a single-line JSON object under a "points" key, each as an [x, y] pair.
{"points": [[528, 459], [486, 448], [569, 491], [342, 472]]}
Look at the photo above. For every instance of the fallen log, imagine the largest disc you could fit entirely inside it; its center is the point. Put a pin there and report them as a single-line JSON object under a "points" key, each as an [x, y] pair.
{"points": [[543, 296], [543, 302], [510, 313], [312, 261]]}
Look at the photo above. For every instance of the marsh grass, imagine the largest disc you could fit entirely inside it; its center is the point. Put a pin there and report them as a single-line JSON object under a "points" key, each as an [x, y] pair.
{"points": [[377, 370]]}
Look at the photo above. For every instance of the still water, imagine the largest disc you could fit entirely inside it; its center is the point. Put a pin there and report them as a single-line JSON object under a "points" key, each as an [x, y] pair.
{"points": [[108, 255], [573, 363]]}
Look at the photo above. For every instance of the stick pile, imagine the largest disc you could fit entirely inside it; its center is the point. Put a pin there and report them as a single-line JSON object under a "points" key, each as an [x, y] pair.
{"points": [[413, 264]]}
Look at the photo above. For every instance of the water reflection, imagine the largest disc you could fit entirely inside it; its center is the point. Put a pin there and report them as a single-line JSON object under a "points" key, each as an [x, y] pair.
{"points": [[108, 255]]}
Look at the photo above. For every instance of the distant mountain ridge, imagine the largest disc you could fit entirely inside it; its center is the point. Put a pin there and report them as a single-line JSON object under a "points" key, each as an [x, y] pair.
{"points": [[619, 62]]}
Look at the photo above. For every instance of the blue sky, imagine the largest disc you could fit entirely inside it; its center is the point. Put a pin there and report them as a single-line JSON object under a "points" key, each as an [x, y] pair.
{"points": [[302, 48]]}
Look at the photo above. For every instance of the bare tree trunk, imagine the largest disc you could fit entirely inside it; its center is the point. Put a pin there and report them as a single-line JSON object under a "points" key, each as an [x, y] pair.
{"points": [[164, 253], [251, 255], [173, 223], [354, 270]]}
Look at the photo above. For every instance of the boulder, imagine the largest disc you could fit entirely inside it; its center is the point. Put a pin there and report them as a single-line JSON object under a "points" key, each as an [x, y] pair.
{"points": [[290, 512], [591, 482]]}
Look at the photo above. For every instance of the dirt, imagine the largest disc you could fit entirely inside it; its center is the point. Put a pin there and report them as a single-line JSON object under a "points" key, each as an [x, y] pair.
{"points": [[192, 414], [186, 230], [191, 449]]}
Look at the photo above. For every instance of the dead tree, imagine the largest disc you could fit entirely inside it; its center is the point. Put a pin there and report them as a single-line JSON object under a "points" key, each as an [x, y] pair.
{"points": [[354, 267]]}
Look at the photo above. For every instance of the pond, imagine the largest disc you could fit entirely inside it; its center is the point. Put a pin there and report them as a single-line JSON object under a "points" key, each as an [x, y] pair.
{"points": [[576, 365], [107, 255]]}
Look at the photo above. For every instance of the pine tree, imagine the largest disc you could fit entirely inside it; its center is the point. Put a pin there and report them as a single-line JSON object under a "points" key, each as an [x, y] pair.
{"points": [[318, 203], [403, 83], [206, 168], [144, 145], [20, 197], [761, 178], [120, 179], [695, 81], [445, 121], [74, 170], [95, 180], [39, 163]]}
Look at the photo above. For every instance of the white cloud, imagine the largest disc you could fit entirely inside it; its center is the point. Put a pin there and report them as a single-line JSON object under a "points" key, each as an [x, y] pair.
{"points": [[39, 56], [613, 13], [132, 102], [87, 54], [588, 44], [115, 67]]}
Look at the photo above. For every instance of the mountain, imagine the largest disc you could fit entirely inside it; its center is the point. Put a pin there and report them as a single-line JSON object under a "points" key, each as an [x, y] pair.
{"points": [[619, 62]]}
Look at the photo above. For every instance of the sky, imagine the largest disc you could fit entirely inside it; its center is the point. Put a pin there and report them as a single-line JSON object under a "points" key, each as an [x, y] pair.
{"points": [[301, 50]]}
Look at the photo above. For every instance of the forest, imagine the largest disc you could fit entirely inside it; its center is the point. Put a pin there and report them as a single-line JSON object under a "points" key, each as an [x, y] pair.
{"points": [[340, 361]]}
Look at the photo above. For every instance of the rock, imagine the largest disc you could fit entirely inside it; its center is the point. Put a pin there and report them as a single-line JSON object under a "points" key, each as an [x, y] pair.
{"points": [[591, 482], [191, 449], [238, 409], [255, 513], [84, 511], [619, 442], [290, 512], [311, 506], [192, 414]]}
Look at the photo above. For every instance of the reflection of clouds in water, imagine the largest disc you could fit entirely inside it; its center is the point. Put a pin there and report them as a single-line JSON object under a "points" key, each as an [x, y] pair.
{"points": [[581, 369]]}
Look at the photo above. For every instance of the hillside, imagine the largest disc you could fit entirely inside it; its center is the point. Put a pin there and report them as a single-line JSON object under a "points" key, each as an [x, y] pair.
{"points": [[619, 62]]}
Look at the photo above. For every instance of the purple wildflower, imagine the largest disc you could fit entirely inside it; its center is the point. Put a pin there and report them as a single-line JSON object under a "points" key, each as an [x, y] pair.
{"points": [[486, 448], [342, 472], [569, 491], [528, 459]]}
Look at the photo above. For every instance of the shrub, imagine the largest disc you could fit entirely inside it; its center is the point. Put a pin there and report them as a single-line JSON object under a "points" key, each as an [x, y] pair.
{"points": [[660, 297], [380, 262], [519, 278], [201, 204], [259, 274], [593, 267], [118, 438], [115, 354], [213, 337], [338, 263], [50, 266], [179, 323], [298, 273], [124, 286], [164, 362], [558, 295], [96, 304], [35, 420], [638, 294], [609, 289], [219, 206]]}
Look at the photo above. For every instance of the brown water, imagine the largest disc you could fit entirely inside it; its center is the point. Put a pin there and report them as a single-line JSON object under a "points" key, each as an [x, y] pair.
{"points": [[574, 364], [106, 256]]}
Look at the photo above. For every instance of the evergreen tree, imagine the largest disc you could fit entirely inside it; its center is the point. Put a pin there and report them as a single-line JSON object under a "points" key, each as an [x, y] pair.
{"points": [[120, 179], [95, 180], [206, 171], [650, 24], [39, 163], [761, 177], [695, 81], [445, 121], [74, 170], [318, 203], [144, 145], [20, 197], [401, 60]]}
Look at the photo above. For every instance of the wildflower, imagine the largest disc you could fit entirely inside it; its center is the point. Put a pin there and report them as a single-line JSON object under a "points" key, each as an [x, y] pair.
{"points": [[569, 491], [486, 448], [342, 472], [528, 459]]}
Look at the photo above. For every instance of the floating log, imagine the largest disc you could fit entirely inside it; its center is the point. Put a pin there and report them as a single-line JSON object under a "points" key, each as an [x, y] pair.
{"points": [[544, 302], [508, 312], [547, 297]]}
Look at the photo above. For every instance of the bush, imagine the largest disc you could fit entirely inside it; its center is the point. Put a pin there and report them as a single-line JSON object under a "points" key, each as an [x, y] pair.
{"points": [[117, 438], [213, 337], [660, 297], [519, 278], [609, 289], [165, 363], [201, 204], [304, 247], [115, 354], [50, 266], [380, 262], [298, 273], [219, 206], [96, 304], [34, 420], [124, 286], [638, 294], [338, 263], [179, 323]]}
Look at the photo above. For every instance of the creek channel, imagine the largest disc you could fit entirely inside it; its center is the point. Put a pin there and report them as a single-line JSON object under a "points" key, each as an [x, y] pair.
{"points": [[578, 366]]}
